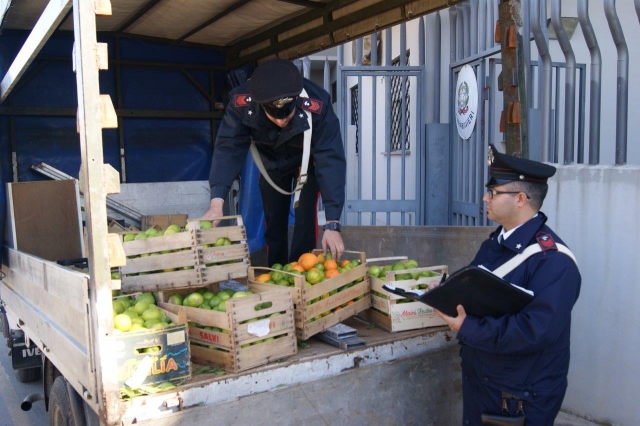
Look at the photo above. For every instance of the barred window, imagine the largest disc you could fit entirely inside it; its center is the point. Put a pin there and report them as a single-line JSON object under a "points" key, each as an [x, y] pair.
{"points": [[397, 107]]}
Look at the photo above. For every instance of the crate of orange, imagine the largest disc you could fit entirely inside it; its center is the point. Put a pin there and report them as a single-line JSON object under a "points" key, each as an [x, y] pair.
{"points": [[324, 291]]}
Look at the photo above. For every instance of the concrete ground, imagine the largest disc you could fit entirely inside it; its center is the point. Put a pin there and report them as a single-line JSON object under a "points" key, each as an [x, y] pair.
{"points": [[566, 419]]}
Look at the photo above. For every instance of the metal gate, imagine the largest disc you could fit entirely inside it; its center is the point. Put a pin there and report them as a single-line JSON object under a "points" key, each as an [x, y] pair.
{"points": [[382, 125], [468, 168]]}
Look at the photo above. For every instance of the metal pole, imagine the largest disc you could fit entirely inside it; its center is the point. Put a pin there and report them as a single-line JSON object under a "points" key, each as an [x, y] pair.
{"points": [[342, 99], [545, 78], [623, 81], [473, 26], [570, 81], [482, 26], [452, 34], [374, 137], [436, 67], [595, 88]]}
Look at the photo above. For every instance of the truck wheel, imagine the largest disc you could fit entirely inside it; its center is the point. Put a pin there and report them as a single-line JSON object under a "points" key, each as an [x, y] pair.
{"points": [[59, 404], [28, 375]]}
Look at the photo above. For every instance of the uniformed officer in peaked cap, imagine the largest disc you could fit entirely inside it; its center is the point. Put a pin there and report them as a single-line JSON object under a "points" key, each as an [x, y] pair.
{"points": [[505, 168], [276, 85], [520, 360], [274, 113]]}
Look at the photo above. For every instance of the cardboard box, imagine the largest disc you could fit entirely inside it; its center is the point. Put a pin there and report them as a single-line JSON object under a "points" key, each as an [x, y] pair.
{"points": [[140, 363], [318, 307], [255, 330], [163, 220], [395, 313], [186, 259]]}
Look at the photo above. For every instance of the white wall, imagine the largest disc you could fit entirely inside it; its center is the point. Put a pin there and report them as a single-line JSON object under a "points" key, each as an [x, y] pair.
{"points": [[594, 210]]}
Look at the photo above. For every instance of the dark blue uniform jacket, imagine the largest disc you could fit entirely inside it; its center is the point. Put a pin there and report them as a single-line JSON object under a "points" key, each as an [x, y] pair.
{"points": [[281, 149], [526, 354]]}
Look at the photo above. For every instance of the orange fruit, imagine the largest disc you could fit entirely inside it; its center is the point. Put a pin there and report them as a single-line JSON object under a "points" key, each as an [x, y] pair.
{"points": [[308, 261], [263, 277], [297, 267], [321, 258], [330, 264], [345, 262], [350, 302], [330, 273]]}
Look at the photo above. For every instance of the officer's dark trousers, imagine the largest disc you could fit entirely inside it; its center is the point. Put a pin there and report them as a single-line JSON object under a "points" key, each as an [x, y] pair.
{"points": [[276, 211]]}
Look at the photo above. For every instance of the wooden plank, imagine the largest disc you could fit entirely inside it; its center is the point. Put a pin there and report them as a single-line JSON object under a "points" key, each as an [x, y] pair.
{"points": [[53, 307], [52, 15], [92, 171], [67, 354], [108, 117], [116, 252], [162, 243], [306, 330], [161, 282], [103, 56], [103, 7], [265, 352], [225, 272], [57, 280], [111, 179], [47, 222]]}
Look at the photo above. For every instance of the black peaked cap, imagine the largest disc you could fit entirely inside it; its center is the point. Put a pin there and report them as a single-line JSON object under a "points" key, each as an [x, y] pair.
{"points": [[275, 79], [505, 168]]}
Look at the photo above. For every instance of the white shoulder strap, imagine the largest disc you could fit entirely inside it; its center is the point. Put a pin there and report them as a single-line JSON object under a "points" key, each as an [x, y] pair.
{"points": [[515, 261], [306, 154]]}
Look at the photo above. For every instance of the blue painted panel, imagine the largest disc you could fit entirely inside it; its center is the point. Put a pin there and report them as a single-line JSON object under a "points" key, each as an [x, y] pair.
{"points": [[156, 149]]}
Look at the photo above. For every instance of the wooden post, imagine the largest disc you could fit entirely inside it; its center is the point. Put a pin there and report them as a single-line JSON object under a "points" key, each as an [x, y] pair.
{"points": [[90, 125], [513, 84]]}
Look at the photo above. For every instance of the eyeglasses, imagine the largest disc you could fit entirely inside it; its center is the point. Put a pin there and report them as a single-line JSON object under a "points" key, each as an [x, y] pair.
{"points": [[492, 193]]}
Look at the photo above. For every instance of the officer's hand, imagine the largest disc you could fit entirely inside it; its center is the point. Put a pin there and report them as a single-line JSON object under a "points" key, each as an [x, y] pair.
{"points": [[454, 323], [332, 240], [215, 210]]}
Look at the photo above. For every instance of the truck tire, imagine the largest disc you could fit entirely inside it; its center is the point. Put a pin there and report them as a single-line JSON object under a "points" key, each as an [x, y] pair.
{"points": [[59, 404], [28, 375]]}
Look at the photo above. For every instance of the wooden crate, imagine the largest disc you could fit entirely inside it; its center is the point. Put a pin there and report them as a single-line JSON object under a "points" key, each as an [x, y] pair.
{"points": [[391, 313], [237, 347], [171, 363], [186, 259], [315, 307]]}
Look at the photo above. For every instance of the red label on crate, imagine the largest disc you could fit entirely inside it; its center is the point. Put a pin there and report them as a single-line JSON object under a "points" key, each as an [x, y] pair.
{"points": [[204, 335]]}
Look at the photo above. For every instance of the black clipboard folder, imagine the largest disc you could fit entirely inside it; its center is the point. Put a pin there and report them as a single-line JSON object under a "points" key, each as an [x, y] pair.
{"points": [[480, 292]]}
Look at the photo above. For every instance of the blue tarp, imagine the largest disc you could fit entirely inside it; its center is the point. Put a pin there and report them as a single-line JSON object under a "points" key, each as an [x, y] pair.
{"points": [[156, 149]]}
